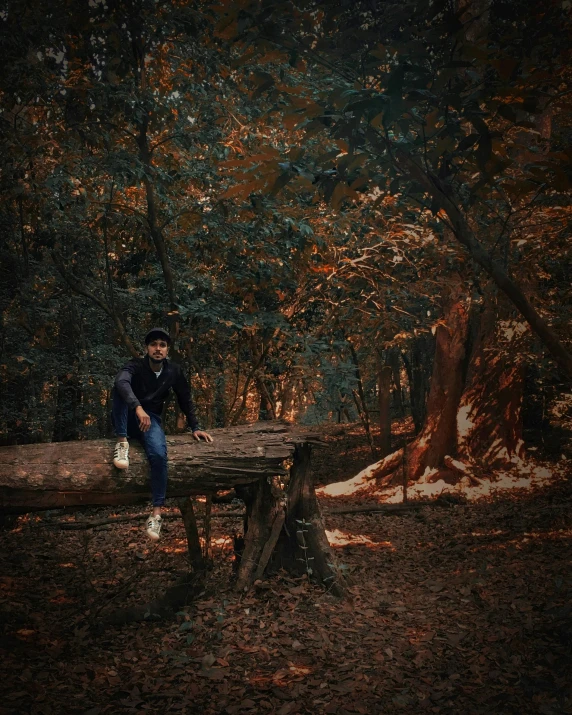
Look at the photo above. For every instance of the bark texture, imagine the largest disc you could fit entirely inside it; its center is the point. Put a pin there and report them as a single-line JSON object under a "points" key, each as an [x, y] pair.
{"points": [[284, 529], [264, 519], [303, 545], [439, 434], [47, 476], [489, 418]]}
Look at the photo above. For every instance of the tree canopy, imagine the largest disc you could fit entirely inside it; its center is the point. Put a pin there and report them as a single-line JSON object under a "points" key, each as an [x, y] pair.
{"points": [[289, 188]]}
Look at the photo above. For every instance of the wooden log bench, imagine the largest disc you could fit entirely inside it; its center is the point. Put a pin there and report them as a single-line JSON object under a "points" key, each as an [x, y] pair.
{"points": [[268, 464]]}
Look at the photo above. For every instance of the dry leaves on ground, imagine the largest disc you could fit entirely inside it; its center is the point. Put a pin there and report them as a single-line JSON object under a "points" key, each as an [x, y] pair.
{"points": [[465, 609]]}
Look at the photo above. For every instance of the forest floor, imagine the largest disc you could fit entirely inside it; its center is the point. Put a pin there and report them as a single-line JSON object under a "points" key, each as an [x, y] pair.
{"points": [[458, 609]]}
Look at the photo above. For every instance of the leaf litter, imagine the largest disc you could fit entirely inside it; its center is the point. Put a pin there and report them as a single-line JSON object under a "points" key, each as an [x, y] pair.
{"points": [[459, 609]]}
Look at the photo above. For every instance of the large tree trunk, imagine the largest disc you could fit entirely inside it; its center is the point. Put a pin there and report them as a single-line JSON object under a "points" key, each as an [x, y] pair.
{"points": [[439, 434], [474, 420], [489, 419]]}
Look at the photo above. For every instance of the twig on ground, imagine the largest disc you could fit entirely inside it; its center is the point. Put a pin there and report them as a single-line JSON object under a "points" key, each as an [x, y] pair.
{"points": [[79, 525], [389, 508]]}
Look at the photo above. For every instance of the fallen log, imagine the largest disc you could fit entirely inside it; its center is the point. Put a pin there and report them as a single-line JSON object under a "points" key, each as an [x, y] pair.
{"points": [[65, 474], [249, 459]]}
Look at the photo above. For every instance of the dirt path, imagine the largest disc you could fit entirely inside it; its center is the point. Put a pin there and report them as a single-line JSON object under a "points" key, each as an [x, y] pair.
{"points": [[465, 609]]}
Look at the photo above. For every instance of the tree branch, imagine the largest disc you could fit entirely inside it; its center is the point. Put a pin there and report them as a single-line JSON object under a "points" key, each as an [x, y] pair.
{"points": [[78, 287]]}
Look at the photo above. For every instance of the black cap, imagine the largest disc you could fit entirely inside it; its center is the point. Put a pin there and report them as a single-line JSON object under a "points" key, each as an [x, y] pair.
{"points": [[157, 334]]}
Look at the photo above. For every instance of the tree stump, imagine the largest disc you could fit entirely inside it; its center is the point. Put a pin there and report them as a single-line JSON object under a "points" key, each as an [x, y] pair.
{"points": [[303, 545], [284, 529]]}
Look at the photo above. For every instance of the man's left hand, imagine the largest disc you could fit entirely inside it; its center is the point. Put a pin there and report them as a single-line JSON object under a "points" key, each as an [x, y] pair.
{"points": [[199, 434]]}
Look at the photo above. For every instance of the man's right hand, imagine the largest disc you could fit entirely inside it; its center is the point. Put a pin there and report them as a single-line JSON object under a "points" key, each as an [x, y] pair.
{"points": [[144, 419]]}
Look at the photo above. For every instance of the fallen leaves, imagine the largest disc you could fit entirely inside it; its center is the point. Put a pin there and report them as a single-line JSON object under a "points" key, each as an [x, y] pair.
{"points": [[443, 621]]}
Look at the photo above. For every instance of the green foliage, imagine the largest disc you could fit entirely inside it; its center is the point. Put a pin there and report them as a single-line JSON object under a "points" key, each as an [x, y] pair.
{"points": [[239, 174]]}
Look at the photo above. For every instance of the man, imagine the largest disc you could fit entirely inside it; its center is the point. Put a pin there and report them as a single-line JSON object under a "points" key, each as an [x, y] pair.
{"points": [[141, 387]]}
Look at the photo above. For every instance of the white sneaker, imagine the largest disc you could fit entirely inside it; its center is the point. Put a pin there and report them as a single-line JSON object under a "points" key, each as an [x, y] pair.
{"points": [[154, 524], [121, 455]]}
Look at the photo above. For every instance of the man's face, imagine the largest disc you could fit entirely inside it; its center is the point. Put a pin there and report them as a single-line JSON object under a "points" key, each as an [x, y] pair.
{"points": [[157, 350]]}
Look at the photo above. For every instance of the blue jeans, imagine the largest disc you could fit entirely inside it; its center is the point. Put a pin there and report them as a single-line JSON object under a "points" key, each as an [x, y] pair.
{"points": [[126, 424]]}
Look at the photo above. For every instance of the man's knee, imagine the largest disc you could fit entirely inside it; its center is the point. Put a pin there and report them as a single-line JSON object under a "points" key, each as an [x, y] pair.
{"points": [[155, 443], [157, 450], [157, 453]]}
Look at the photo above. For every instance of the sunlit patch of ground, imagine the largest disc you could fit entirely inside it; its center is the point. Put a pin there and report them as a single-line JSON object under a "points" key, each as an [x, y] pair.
{"points": [[352, 451], [524, 475], [336, 537]]}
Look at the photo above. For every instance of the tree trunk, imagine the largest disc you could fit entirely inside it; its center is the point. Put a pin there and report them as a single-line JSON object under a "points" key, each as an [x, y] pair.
{"points": [[489, 420], [384, 395], [264, 520], [439, 434], [284, 529], [394, 362], [360, 400], [303, 545], [287, 396], [266, 409], [418, 366], [474, 411]]}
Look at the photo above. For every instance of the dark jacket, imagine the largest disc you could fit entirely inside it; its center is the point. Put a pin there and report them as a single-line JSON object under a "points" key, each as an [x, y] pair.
{"points": [[137, 385]]}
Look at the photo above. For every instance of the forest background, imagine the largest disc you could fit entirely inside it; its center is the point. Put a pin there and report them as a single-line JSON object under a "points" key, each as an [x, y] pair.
{"points": [[340, 211], [350, 212]]}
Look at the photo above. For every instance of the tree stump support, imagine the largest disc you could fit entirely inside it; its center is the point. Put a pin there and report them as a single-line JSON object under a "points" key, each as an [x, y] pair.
{"points": [[285, 529], [283, 524], [192, 531], [264, 511], [304, 538]]}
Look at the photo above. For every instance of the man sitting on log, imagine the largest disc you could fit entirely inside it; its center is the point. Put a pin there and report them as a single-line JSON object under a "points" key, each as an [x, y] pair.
{"points": [[141, 387]]}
